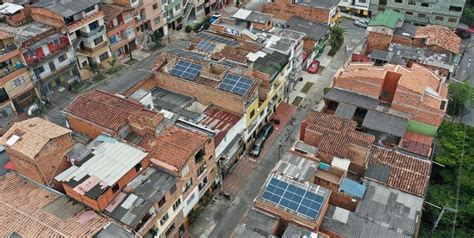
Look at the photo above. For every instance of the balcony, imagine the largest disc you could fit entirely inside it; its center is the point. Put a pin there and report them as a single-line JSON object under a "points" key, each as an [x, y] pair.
{"points": [[8, 52], [53, 49], [87, 50], [92, 34], [9, 72]]}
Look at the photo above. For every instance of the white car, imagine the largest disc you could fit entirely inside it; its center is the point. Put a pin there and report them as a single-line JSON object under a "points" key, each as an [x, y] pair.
{"points": [[2, 148], [361, 23]]}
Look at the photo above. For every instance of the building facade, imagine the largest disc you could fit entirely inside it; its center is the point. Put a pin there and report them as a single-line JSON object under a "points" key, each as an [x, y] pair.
{"points": [[322, 11], [446, 13], [121, 29]]}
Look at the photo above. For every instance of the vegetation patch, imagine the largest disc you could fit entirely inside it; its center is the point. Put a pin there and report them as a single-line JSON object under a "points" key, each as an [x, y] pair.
{"points": [[307, 87]]}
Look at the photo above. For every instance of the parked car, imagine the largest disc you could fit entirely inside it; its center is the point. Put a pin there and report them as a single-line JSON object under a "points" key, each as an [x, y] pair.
{"points": [[257, 147], [265, 132], [361, 23], [313, 67], [214, 17], [463, 33], [204, 26]]}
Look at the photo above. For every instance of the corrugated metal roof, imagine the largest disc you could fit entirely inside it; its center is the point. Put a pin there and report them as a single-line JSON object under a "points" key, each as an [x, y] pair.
{"points": [[345, 110], [383, 122], [112, 159], [339, 95], [383, 212], [294, 231], [67, 8], [352, 188], [296, 167]]}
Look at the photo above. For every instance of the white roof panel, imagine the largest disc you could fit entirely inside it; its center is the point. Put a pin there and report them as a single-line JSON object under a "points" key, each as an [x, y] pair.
{"points": [[242, 14], [10, 8]]}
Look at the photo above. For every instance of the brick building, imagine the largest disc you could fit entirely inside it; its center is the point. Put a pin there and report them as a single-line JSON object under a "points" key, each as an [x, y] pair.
{"points": [[121, 29], [446, 13], [98, 111], [31, 210], [322, 11], [84, 24], [36, 149], [16, 87], [14, 14]]}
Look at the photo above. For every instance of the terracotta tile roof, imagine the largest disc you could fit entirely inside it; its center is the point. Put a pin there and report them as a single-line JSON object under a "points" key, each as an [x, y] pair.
{"points": [[174, 147], [230, 53], [219, 119], [250, 46], [407, 173], [5, 35], [112, 11], [75, 25], [108, 110], [33, 135], [417, 143], [440, 36], [23, 212], [337, 135]]}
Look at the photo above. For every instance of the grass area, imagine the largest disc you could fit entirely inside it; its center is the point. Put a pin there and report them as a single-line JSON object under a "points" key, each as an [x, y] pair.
{"points": [[320, 70], [307, 87], [158, 45], [114, 69], [80, 86], [130, 62], [297, 101], [98, 78]]}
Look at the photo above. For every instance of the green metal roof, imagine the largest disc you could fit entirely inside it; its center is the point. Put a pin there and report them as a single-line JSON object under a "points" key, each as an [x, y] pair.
{"points": [[271, 64], [421, 128], [388, 18]]}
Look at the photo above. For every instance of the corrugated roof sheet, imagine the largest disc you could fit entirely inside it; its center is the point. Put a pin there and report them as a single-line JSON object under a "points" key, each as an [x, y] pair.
{"points": [[340, 95], [352, 188], [345, 110], [388, 18], [256, 224], [296, 167], [384, 122], [66, 8]]}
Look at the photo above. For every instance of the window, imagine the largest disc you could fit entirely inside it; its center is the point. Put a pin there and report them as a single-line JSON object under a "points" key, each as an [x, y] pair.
{"points": [[155, 6], [40, 69], [423, 4], [421, 15], [443, 105], [409, 13], [138, 167], [98, 40], [6, 113], [17, 82], [93, 25], [452, 20], [164, 218], [455, 9], [173, 189], [104, 56], [252, 113], [162, 202], [188, 185], [412, 2], [201, 169], [89, 9], [115, 188], [62, 58], [398, 1], [157, 20], [171, 229], [439, 18], [382, 2], [176, 204]]}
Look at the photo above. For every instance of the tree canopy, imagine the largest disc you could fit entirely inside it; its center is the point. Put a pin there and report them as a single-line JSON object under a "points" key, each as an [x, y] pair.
{"points": [[336, 38]]}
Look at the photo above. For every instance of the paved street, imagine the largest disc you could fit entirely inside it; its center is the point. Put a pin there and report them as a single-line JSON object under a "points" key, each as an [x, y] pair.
{"points": [[221, 218], [466, 71]]}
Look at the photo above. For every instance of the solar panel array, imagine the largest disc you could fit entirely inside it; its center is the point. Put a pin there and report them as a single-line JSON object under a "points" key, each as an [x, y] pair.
{"points": [[186, 69], [236, 84], [288, 196], [206, 46], [214, 38]]}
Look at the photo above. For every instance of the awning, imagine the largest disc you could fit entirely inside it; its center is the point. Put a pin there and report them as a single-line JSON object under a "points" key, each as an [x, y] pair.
{"points": [[345, 110], [384, 122]]}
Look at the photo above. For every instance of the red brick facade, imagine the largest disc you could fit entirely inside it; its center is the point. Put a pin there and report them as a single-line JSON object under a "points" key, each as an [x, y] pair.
{"points": [[284, 9]]}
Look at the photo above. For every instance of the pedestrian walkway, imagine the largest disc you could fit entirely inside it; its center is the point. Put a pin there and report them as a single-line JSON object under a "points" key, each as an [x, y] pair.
{"points": [[239, 176]]}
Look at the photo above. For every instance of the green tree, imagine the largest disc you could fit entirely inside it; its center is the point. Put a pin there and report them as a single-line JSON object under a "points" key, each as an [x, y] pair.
{"points": [[336, 38], [459, 94], [468, 16]]}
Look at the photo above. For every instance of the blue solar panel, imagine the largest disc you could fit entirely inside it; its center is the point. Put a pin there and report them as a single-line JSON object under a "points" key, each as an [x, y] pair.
{"points": [[293, 198], [215, 38], [236, 84], [186, 69], [206, 46]]}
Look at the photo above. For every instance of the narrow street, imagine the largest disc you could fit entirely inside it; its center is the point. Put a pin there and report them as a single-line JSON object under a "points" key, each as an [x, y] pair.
{"points": [[220, 219]]}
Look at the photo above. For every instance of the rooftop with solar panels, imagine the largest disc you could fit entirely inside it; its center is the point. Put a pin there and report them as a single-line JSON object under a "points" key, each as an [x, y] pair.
{"points": [[304, 203]]}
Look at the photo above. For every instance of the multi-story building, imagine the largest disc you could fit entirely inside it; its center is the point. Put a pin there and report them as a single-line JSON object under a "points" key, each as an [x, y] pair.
{"points": [[36, 148], [174, 12], [439, 12], [360, 7], [17, 91], [149, 18], [322, 11], [49, 56], [84, 24], [120, 24]]}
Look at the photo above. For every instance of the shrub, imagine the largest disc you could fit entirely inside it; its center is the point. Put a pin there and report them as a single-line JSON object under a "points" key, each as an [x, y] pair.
{"points": [[188, 29]]}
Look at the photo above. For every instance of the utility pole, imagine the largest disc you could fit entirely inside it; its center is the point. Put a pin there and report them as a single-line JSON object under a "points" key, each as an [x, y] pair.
{"points": [[441, 215]]}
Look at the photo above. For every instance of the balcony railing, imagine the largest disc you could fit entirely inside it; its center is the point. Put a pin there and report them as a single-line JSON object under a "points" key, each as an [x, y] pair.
{"points": [[53, 49], [7, 49], [90, 34], [4, 71], [86, 49]]}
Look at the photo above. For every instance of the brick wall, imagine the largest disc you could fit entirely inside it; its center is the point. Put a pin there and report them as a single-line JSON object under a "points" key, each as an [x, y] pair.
{"points": [[401, 40], [369, 86], [203, 94], [283, 9], [47, 164], [47, 17], [308, 44], [87, 128], [342, 200], [409, 102], [378, 41], [17, 19]]}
